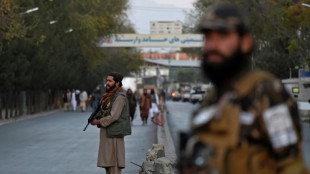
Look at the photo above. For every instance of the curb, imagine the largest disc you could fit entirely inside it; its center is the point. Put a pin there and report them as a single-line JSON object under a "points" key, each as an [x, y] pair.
{"points": [[164, 138], [27, 117]]}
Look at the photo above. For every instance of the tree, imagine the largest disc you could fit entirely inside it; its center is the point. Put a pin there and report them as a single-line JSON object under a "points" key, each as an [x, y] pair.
{"points": [[56, 46], [280, 29]]}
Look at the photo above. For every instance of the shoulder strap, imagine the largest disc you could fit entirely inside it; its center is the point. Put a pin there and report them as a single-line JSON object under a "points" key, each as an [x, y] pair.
{"points": [[116, 95], [246, 84]]}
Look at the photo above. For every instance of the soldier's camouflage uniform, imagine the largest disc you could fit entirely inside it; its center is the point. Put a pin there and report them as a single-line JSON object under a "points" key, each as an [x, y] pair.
{"points": [[248, 125], [252, 126]]}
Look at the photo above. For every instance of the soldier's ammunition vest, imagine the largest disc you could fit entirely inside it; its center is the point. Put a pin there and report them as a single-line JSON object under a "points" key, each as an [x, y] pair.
{"points": [[222, 132], [122, 126]]}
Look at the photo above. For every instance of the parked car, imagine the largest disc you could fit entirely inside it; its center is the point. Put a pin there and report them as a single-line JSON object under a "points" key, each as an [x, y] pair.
{"points": [[186, 95], [197, 96], [175, 96]]}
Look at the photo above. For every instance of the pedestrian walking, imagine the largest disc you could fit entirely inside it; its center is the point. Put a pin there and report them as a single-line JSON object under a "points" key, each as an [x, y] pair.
{"points": [[67, 100], [145, 105], [155, 102], [132, 103], [114, 123], [77, 97], [83, 98], [64, 99], [73, 100], [248, 123]]}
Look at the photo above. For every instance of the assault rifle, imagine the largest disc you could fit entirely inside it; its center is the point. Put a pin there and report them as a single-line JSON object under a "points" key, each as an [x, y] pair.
{"points": [[92, 116], [194, 156]]}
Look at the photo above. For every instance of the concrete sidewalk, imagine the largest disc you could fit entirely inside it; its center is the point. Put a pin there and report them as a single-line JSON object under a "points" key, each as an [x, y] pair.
{"points": [[164, 138]]}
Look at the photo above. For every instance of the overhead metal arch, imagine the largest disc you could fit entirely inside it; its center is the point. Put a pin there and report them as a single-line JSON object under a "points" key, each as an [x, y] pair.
{"points": [[152, 40]]}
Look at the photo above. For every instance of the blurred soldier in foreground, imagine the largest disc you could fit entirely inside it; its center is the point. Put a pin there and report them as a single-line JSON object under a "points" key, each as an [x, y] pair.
{"points": [[248, 123], [112, 117]]}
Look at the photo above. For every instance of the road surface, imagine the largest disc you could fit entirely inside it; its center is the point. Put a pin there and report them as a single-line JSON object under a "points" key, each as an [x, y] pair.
{"points": [[56, 144]]}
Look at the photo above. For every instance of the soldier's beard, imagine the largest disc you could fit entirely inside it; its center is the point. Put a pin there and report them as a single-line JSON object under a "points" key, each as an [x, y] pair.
{"points": [[231, 66], [110, 89]]}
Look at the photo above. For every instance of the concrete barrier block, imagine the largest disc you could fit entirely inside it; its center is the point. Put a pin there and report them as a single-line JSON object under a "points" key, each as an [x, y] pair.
{"points": [[146, 172], [156, 152], [148, 166], [163, 166]]}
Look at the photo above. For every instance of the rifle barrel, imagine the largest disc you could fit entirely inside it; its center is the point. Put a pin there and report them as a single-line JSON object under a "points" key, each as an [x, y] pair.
{"points": [[86, 127]]}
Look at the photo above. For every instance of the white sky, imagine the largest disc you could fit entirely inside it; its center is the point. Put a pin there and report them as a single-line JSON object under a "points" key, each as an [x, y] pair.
{"points": [[142, 12]]}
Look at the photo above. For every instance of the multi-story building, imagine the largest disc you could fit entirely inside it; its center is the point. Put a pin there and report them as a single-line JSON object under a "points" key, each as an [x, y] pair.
{"points": [[166, 27]]}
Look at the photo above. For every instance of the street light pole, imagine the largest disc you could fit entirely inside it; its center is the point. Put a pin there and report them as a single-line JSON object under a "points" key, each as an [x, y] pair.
{"points": [[30, 10], [53, 22], [305, 5]]}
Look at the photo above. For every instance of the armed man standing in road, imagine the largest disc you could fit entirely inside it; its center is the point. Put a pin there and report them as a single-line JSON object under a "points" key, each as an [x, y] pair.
{"points": [[248, 124], [114, 122]]}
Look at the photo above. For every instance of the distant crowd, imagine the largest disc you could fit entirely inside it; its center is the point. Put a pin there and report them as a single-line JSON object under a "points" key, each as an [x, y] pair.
{"points": [[75, 99], [72, 99]]}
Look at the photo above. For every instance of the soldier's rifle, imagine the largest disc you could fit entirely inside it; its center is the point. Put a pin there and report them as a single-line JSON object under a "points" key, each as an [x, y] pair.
{"points": [[92, 116]]}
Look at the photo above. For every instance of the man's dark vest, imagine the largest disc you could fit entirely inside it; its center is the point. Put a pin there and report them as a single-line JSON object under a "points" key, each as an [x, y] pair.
{"points": [[122, 126]]}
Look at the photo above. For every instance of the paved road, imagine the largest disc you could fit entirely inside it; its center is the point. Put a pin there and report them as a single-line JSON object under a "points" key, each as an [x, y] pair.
{"points": [[179, 116], [56, 144]]}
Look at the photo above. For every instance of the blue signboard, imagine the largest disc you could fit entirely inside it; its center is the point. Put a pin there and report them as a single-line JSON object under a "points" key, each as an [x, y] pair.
{"points": [[304, 74]]}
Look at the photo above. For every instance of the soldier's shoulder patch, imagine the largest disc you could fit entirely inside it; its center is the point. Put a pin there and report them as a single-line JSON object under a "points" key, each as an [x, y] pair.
{"points": [[280, 126]]}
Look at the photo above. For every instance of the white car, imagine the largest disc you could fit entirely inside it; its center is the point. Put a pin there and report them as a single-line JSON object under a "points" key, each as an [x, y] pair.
{"points": [[197, 96], [186, 95]]}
